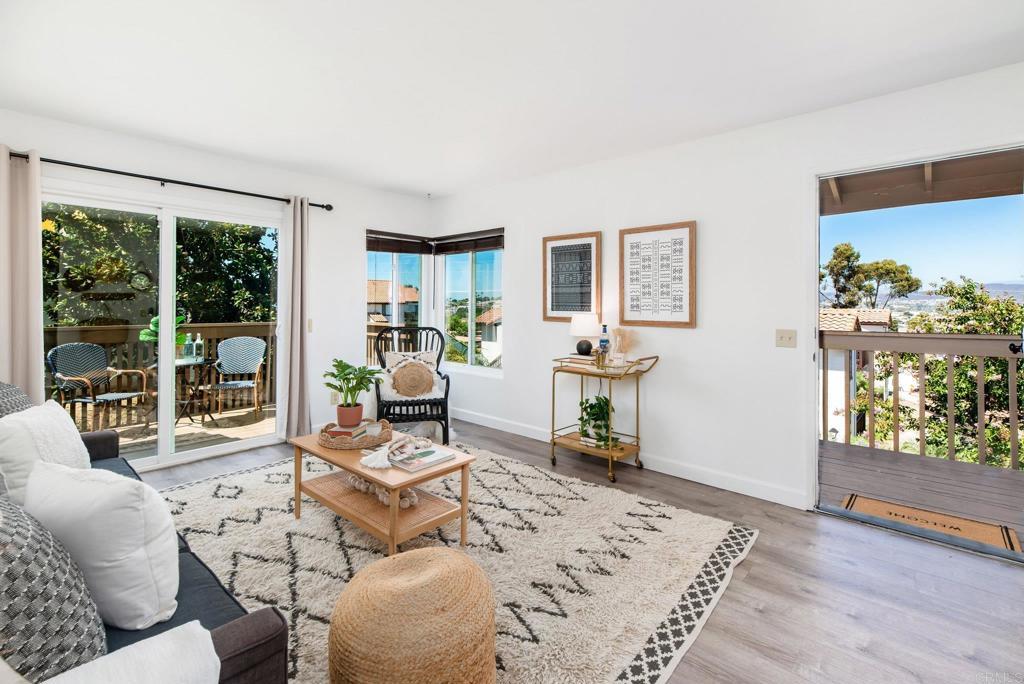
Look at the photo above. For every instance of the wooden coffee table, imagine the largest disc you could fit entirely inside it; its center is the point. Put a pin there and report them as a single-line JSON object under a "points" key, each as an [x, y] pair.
{"points": [[390, 524]]}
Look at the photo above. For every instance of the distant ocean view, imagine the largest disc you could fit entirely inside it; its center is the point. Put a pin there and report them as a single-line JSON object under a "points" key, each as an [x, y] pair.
{"points": [[922, 302]]}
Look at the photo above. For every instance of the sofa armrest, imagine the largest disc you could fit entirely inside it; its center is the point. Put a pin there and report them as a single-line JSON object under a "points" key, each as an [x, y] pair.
{"points": [[101, 445], [253, 649]]}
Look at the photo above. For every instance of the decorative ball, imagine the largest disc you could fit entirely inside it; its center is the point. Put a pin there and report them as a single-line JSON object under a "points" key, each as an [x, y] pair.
{"points": [[584, 347]]}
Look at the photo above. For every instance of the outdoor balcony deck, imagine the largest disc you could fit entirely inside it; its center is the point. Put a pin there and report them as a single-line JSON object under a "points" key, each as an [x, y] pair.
{"points": [[233, 420], [925, 420], [987, 494]]}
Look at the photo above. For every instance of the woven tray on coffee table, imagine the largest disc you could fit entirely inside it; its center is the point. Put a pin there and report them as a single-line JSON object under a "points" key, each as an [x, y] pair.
{"points": [[364, 442]]}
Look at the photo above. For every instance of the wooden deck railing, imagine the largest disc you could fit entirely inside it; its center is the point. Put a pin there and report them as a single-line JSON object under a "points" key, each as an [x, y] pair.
{"points": [[125, 351], [911, 354]]}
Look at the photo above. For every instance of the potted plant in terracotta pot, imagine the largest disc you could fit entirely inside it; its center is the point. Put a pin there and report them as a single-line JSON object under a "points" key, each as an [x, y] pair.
{"points": [[350, 381]]}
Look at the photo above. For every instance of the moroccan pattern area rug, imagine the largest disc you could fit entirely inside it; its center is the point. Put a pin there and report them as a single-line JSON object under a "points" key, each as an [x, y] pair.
{"points": [[591, 584]]}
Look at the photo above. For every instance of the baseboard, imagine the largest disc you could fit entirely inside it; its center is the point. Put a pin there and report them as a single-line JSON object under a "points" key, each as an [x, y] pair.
{"points": [[712, 477], [721, 479], [501, 424]]}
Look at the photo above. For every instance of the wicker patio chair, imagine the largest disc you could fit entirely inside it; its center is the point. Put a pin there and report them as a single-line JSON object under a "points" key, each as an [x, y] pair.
{"points": [[413, 410], [240, 356], [83, 375]]}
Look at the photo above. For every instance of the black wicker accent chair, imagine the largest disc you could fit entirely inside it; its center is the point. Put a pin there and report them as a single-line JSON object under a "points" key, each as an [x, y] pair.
{"points": [[413, 410]]}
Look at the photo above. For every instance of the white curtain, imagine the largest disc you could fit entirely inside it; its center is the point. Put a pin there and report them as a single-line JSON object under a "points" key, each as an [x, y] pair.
{"points": [[298, 422], [21, 273]]}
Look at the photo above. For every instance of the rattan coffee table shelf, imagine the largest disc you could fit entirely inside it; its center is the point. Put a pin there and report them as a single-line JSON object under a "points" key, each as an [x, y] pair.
{"points": [[367, 512], [389, 523]]}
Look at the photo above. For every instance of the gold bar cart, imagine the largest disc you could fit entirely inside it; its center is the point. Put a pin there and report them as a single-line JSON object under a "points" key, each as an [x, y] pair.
{"points": [[569, 437]]}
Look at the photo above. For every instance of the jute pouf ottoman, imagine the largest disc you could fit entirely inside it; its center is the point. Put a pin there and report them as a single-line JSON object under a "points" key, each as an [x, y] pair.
{"points": [[421, 616]]}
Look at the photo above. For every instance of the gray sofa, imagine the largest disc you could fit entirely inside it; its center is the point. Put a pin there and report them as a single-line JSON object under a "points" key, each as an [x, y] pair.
{"points": [[253, 647]]}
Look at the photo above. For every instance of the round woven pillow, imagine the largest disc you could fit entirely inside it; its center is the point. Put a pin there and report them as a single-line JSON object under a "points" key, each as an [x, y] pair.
{"points": [[421, 616], [413, 379]]}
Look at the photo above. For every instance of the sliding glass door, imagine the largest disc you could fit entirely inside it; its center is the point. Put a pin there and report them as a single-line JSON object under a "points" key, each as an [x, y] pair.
{"points": [[177, 371], [100, 294], [226, 276]]}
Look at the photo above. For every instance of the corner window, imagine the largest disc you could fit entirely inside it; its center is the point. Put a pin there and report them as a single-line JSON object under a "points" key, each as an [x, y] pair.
{"points": [[393, 294], [473, 321]]}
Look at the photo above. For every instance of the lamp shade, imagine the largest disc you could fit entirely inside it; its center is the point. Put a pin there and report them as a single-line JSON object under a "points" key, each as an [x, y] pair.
{"points": [[584, 325]]}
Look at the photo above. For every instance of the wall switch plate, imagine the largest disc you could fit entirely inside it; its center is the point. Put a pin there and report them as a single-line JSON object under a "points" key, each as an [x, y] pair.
{"points": [[335, 398], [785, 337]]}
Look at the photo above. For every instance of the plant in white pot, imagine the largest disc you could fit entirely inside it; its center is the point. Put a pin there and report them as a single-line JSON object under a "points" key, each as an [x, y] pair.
{"points": [[349, 382]]}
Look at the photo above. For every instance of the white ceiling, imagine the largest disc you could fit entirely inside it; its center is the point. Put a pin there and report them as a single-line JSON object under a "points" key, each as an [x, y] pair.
{"points": [[442, 95]]}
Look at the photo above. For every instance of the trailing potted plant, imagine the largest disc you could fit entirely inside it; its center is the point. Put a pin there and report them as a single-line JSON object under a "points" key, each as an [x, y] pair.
{"points": [[350, 381], [596, 422], [152, 333]]}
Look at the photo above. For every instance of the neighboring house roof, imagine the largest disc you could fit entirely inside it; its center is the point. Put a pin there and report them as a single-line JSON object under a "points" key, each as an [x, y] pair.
{"points": [[852, 320], [379, 292], [491, 316]]}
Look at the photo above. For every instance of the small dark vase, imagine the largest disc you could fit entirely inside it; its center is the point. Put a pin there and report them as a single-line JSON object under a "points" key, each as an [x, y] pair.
{"points": [[584, 347]]}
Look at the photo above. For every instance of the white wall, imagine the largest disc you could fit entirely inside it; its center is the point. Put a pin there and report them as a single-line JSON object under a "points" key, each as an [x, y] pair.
{"points": [[725, 406], [337, 239]]}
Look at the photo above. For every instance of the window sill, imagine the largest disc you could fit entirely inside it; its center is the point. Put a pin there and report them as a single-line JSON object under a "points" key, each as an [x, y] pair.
{"points": [[449, 368]]}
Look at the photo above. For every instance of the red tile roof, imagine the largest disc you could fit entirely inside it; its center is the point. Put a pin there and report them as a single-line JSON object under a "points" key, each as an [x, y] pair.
{"points": [[379, 292], [492, 315], [851, 320]]}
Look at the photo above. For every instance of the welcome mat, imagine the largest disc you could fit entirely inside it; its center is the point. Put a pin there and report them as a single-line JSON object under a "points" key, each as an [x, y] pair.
{"points": [[999, 536]]}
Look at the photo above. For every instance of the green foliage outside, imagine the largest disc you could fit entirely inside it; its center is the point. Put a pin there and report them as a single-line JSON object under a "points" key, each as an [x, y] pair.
{"points": [[101, 267], [970, 309], [457, 328]]}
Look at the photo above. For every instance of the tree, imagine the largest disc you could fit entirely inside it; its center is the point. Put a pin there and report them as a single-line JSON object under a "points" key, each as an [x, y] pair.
{"points": [[895, 279], [858, 284], [843, 270], [101, 267]]}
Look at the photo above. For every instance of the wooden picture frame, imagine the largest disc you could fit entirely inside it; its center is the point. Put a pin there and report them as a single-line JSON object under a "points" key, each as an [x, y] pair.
{"points": [[573, 247], [681, 311]]}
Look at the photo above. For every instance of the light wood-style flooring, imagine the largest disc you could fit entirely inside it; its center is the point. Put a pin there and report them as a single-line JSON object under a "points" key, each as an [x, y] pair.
{"points": [[819, 599]]}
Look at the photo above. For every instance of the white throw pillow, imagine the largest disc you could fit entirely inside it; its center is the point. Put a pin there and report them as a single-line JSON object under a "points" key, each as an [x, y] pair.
{"points": [[183, 655], [120, 533], [392, 359], [41, 433]]}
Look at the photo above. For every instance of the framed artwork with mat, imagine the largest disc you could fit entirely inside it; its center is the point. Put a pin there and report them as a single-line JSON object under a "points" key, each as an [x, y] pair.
{"points": [[572, 275]]}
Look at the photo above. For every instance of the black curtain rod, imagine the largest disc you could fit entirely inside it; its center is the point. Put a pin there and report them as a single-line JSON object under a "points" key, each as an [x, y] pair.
{"points": [[164, 181]]}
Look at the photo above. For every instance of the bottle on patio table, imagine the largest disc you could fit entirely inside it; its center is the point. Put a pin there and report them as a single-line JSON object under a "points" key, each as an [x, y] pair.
{"points": [[199, 349], [189, 351]]}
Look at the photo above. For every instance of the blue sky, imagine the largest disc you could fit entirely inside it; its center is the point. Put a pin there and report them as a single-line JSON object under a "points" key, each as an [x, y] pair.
{"points": [[488, 274], [488, 271], [982, 238]]}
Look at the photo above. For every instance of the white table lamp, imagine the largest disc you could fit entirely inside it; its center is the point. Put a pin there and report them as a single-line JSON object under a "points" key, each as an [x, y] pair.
{"points": [[584, 325]]}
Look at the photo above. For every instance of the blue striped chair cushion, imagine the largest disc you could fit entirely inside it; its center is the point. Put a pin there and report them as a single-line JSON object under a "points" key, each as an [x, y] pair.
{"points": [[79, 359], [240, 355], [234, 384]]}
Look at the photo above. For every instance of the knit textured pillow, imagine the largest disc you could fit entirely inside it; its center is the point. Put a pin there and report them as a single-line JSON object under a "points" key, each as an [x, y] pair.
{"points": [[48, 621], [12, 399]]}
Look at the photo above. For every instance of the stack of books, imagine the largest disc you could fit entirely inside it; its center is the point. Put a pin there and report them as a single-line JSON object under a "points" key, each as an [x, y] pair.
{"points": [[349, 432], [422, 458]]}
